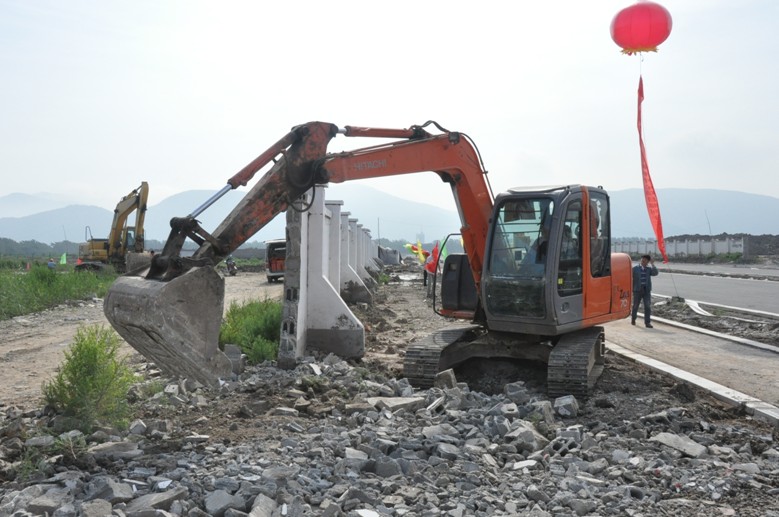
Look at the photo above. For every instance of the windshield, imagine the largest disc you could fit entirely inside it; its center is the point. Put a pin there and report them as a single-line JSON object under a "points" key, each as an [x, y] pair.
{"points": [[518, 258]]}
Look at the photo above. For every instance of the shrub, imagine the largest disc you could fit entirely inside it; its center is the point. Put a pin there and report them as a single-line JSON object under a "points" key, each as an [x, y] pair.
{"points": [[91, 386], [42, 275], [255, 327], [32, 466]]}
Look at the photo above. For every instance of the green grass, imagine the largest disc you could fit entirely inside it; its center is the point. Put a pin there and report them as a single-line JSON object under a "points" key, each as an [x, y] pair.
{"points": [[14, 263], [37, 289], [255, 327], [91, 385]]}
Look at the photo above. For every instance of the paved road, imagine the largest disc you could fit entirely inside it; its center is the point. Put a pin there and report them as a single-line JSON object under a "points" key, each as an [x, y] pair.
{"points": [[762, 295], [723, 269], [749, 370]]}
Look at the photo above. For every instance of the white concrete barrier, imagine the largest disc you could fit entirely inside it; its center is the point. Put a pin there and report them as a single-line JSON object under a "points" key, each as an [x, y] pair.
{"points": [[329, 256], [353, 289], [683, 247]]}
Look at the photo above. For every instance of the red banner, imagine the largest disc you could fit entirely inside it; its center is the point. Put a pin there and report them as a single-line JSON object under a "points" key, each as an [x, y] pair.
{"points": [[649, 190]]}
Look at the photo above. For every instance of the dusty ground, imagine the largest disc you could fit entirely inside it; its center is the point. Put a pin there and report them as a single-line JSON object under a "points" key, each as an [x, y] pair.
{"points": [[32, 346]]}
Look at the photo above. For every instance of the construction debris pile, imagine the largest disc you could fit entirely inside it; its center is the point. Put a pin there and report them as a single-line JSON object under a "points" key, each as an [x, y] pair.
{"points": [[334, 438]]}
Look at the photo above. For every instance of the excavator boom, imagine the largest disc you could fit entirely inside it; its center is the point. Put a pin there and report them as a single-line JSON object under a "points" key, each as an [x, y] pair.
{"points": [[301, 161]]}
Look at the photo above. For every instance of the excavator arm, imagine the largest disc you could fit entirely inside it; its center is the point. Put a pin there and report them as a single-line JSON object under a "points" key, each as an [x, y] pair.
{"points": [[132, 202], [288, 178], [450, 155], [301, 161]]}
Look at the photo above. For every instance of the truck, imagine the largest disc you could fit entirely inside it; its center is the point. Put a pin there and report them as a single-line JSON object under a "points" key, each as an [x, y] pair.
{"points": [[518, 293], [123, 249], [275, 257]]}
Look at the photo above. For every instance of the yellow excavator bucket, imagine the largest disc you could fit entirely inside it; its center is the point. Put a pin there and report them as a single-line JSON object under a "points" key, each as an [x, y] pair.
{"points": [[175, 324]]}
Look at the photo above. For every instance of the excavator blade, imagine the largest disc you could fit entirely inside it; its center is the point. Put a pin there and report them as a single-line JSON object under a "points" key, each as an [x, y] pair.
{"points": [[174, 324]]}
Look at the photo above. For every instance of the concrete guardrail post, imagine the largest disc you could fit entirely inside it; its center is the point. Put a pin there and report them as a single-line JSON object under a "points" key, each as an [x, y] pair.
{"points": [[330, 326], [314, 314], [353, 289], [334, 262], [293, 320]]}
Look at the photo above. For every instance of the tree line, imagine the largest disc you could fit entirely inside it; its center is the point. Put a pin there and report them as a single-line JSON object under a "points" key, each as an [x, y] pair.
{"points": [[33, 249]]}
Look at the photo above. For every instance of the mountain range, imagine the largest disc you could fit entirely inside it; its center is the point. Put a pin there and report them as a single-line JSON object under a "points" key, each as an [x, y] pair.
{"points": [[42, 218]]}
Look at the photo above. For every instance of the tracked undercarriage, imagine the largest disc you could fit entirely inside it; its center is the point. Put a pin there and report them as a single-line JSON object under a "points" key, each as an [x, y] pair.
{"points": [[574, 363]]}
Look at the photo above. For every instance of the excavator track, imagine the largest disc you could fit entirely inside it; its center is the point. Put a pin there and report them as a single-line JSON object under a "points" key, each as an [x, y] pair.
{"points": [[423, 357], [573, 364], [576, 362]]}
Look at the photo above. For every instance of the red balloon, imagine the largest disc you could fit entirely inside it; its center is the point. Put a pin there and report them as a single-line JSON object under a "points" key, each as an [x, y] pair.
{"points": [[641, 27]]}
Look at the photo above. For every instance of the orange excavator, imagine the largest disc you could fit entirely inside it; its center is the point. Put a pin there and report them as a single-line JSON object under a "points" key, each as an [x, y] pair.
{"points": [[536, 281]]}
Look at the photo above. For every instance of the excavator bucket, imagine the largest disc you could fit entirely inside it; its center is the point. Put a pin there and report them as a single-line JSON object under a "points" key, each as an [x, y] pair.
{"points": [[175, 324]]}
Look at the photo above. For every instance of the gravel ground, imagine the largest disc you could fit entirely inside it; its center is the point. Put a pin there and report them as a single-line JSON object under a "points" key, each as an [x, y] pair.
{"points": [[352, 438]]}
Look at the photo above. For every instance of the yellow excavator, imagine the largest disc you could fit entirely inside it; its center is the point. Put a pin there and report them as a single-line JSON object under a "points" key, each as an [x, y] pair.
{"points": [[124, 247]]}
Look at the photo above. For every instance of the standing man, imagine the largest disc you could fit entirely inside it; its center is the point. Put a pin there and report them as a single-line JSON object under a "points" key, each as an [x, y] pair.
{"points": [[642, 289]]}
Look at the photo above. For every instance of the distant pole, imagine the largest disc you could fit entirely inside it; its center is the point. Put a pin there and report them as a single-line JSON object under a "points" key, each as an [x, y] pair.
{"points": [[378, 228], [711, 237]]}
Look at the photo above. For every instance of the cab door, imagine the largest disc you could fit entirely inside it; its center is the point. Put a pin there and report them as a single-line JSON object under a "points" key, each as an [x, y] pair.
{"points": [[596, 235], [568, 292]]}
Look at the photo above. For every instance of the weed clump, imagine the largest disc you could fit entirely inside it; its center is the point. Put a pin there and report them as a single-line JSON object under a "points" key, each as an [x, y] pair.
{"points": [[91, 386], [255, 327]]}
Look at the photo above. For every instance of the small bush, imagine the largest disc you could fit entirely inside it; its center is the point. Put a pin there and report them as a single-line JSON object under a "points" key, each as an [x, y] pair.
{"points": [[32, 465], [255, 327], [42, 275], [71, 448], [91, 386]]}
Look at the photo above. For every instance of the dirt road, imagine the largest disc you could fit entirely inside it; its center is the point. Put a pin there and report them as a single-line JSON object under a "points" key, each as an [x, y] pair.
{"points": [[33, 346]]}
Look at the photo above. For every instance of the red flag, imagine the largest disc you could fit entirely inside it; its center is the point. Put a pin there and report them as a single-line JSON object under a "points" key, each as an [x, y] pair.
{"points": [[432, 264], [649, 190]]}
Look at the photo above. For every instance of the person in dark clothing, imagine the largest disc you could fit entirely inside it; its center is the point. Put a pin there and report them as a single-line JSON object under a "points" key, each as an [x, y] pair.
{"points": [[642, 288]]}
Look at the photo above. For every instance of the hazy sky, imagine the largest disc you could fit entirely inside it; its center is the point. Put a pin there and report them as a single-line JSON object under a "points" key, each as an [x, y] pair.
{"points": [[98, 96]]}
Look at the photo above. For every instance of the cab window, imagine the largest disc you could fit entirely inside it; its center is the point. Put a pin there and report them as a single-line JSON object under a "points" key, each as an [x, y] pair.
{"points": [[569, 276]]}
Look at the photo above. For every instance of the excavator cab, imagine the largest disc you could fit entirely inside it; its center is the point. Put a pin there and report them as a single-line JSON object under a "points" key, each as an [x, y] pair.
{"points": [[548, 280], [546, 247]]}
